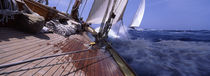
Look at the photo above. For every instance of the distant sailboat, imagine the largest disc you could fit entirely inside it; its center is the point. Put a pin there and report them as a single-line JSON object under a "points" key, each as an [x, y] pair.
{"points": [[139, 15]]}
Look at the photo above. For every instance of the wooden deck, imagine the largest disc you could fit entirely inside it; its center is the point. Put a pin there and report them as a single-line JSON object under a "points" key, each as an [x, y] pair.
{"points": [[18, 46]]}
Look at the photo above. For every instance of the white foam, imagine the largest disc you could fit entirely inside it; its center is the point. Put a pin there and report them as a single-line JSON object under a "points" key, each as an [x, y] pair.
{"points": [[165, 58], [111, 33]]}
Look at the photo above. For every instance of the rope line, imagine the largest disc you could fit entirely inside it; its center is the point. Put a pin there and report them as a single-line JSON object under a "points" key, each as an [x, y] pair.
{"points": [[83, 8], [102, 58], [46, 57], [118, 6], [58, 3], [90, 58], [51, 66], [42, 67], [69, 6]]}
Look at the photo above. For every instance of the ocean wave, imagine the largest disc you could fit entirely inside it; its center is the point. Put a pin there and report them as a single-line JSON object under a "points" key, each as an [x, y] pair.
{"points": [[182, 35], [166, 57]]}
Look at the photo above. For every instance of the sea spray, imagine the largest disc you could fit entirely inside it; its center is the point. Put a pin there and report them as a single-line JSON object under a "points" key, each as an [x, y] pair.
{"points": [[166, 53]]}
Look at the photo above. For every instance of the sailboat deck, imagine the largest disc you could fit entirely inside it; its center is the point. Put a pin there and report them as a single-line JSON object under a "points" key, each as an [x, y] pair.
{"points": [[18, 46]]}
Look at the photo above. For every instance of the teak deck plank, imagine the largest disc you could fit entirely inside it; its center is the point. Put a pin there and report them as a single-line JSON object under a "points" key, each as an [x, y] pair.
{"points": [[28, 46]]}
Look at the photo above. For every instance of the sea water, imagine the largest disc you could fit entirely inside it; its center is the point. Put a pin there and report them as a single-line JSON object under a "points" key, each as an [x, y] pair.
{"points": [[166, 52]]}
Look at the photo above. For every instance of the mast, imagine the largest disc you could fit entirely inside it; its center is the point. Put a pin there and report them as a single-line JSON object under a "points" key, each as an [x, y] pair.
{"points": [[104, 28], [75, 12], [119, 10], [116, 14], [106, 13]]}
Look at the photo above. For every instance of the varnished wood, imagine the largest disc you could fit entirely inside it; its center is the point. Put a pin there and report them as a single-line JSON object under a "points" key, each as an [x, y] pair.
{"points": [[27, 46], [47, 12]]}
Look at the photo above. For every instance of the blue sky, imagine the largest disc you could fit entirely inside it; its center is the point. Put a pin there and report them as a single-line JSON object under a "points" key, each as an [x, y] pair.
{"points": [[161, 14]]}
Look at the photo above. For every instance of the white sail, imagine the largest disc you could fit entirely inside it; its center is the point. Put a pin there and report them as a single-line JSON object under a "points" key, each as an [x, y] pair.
{"points": [[98, 11], [119, 10], [109, 10], [139, 15]]}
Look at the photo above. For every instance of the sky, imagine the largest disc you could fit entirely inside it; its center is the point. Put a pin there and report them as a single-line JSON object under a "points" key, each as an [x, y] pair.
{"points": [[160, 14]]}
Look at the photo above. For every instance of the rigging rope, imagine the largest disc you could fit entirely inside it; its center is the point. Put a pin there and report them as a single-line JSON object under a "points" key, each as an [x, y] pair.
{"points": [[90, 58], [69, 6], [83, 8], [102, 58], [118, 6], [58, 3], [46, 57]]}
